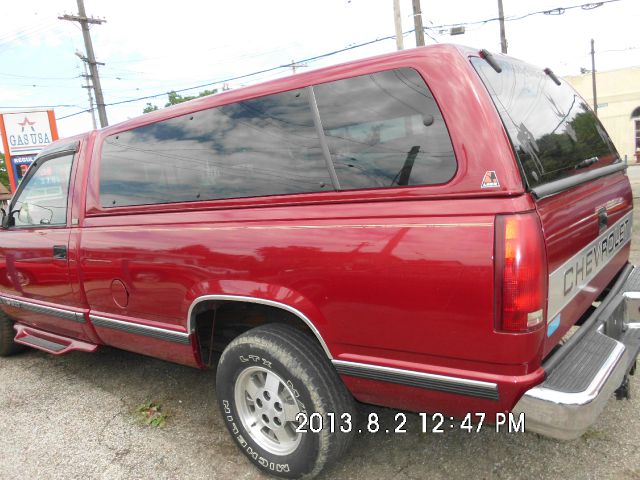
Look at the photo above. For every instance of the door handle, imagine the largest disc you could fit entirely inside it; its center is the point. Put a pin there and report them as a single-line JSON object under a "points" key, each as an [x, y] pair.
{"points": [[60, 252]]}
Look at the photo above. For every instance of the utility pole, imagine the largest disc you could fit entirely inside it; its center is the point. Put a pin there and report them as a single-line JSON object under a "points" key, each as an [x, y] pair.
{"points": [[397, 19], [88, 87], [91, 58], [503, 38], [417, 21], [593, 78]]}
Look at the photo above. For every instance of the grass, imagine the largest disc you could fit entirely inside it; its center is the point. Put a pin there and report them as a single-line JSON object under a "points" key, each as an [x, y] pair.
{"points": [[594, 434], [152, 414]]}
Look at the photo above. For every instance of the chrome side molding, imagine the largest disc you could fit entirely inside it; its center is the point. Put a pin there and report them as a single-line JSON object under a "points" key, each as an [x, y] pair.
{"points": [[58, 312], [411, 378], [138, 329]]}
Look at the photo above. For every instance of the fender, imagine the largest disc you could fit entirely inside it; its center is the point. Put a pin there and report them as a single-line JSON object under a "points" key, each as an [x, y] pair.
{"points": [[271, 303]]}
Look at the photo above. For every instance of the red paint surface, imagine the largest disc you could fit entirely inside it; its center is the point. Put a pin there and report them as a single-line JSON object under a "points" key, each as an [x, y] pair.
{"points": [[70, 344], [570, 223], [399, 277]]}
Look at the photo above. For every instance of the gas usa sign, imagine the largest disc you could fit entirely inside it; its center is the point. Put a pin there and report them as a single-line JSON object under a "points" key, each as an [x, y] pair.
{"points": [[27, 133], [24, 135]]}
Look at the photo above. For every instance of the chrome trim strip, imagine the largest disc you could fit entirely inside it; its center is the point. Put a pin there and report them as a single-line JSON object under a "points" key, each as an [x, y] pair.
{"points": [[342, 226], [239, 298], [559, 295], [429, 381], [46, 310], [138, 329]]}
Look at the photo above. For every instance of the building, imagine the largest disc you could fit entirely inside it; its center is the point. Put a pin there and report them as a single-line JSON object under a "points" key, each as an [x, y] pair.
{"points": [[618, 93], [5, 196]]}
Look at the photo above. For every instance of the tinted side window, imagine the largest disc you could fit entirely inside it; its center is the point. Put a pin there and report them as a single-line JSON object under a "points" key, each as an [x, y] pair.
{"points": [[553, 131], [265, 146], [43, 199], [385, 130]]}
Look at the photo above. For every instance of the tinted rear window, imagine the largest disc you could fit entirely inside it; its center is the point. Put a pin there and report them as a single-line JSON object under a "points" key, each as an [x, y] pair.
{"points": [[381, 130], [265, 146], [554, 132], [385, 130]]}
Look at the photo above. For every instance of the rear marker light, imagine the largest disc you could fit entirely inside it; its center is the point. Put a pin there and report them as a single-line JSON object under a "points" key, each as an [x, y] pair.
{"points": [[534, 318], [520, 273]]}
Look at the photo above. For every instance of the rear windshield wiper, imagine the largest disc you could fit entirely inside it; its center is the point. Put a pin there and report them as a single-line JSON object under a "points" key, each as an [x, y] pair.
{"points": [[552, 76], [490, 59], [587, 162]]}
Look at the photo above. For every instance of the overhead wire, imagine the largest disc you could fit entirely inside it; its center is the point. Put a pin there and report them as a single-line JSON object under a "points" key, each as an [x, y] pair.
{"points": [[15, 107], [553, 11], [557, 10], [511, 18], [9, 40]]}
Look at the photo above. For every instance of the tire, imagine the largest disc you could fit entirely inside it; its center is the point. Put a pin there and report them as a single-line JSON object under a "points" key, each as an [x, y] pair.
{"points": [[296, 375], [7, 334]]}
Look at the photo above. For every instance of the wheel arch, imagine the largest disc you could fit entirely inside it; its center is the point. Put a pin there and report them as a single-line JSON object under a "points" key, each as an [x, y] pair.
{"points": [[196, 307]]}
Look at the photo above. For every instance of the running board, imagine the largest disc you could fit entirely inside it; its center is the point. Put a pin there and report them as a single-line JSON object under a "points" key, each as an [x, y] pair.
{"points": [[50, 342]]}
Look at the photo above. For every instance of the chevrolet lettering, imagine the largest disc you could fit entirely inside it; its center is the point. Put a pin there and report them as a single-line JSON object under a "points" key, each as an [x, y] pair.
{"points": [[419, 231], [572, 277]]}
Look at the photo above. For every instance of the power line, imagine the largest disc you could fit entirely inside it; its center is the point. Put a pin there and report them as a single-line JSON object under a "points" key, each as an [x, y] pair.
{"points": [[26, 32], [36, 78], [617, 50], [239, 77], [32, 85], [553, 11], [37, 106], [16, 42]]}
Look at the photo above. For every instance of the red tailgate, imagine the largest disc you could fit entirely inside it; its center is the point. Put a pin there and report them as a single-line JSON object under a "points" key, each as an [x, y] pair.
{"points": [[574, 173], [587, 232]]}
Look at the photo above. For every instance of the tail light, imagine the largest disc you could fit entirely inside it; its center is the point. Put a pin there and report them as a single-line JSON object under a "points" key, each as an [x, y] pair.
{"points": [[520, 273]]}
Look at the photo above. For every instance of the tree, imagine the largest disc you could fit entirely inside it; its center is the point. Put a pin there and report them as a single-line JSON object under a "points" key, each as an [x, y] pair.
{"points": [[149, 108], [4, 174], [175, 98]]}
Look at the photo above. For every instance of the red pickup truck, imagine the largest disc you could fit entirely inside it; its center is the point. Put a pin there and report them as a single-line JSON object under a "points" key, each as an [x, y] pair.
{"points": [[435, 230]]}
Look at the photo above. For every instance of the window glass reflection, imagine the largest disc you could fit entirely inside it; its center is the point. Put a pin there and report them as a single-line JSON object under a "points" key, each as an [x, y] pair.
{"points": [[265, 146], [43, 199], [385, 130], [552, 129]]}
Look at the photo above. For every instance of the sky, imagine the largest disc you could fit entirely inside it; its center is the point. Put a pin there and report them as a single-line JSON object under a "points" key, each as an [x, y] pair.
{"points": [[149, 49]]}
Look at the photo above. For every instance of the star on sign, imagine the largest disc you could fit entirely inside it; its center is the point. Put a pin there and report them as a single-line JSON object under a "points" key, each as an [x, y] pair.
{"points": [[26, 122]]}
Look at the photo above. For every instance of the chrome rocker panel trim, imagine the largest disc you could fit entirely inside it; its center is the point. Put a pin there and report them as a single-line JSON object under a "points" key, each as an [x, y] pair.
{"points": [[138, 329], [44, 309], [410, 378]]}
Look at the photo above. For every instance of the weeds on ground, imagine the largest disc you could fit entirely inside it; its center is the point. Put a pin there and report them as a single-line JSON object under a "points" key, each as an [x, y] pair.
{"points": [[594, 434], [152, 414]]}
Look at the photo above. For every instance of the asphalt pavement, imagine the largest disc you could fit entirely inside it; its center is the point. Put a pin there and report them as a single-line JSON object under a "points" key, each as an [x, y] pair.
{"points": [[74, 417]]}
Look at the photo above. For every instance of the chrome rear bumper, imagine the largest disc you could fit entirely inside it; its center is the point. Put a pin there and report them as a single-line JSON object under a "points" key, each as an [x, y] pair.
{"points": [[574, 394]]}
